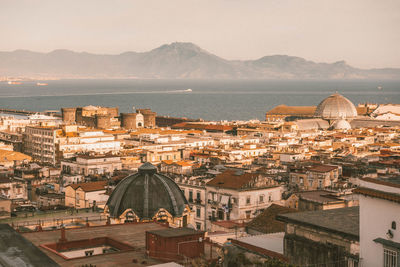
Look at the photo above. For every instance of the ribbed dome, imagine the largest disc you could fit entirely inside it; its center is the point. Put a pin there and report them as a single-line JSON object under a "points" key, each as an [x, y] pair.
{"points": [[145, 193], [341, 125], [336, 107]]}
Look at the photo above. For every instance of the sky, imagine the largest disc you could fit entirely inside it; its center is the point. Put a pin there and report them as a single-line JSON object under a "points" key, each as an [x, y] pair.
{"points": [[364, 33]]}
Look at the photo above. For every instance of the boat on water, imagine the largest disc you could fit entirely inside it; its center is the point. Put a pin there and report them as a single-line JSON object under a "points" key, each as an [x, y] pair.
{"points": [[188, 90], [14, 82], [41, 84]]}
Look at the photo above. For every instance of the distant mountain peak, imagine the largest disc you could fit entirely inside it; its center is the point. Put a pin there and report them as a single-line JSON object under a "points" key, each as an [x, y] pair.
{"points": [[176, 60], [181, 47]]}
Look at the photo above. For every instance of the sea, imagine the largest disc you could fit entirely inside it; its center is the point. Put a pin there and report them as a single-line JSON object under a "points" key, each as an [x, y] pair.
{"points": [[207, 99]]}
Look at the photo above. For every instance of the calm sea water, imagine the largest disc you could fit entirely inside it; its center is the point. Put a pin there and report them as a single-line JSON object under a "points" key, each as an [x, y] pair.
{"points": [[209, 99]]}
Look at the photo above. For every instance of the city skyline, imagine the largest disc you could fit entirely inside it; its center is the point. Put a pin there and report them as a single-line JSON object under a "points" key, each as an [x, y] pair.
{"points": [[363, 33]]}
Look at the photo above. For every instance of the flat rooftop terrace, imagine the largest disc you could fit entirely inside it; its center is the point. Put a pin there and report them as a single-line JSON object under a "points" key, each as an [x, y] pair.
{"points": [[131, 234]]}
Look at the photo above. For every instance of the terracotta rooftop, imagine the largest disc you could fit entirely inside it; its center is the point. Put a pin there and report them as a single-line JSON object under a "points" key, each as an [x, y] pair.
{"points": [[292, 110], [303, 110], [6, 155], [235, 179], [197, 126], [90, 186], [322, 168], [228, 224], [266, 221]]}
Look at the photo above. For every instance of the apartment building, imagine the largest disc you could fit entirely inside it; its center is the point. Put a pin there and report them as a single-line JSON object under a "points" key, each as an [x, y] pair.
{"points": [[91, 164], [234, 195], [50, 144]]}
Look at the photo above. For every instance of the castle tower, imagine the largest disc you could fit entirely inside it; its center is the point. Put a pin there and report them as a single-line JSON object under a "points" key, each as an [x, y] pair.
{"points": [[128, 121], [68, 115], [103, 121], [149, 117]]}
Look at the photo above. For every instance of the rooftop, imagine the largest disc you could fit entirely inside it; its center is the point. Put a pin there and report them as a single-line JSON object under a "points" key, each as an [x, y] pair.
{"points": [[90, 186], [6, 155], [266, 221], [19, 251], [131, 234], [342, 221], [320, 196], [175, 232], [322, 168], [233, 179]]}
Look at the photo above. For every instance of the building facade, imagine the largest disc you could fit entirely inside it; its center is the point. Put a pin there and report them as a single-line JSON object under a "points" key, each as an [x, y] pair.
{"points": [[379, 222]]}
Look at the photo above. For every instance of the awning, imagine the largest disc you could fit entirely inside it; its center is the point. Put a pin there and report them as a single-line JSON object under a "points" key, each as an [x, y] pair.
{"points": [[387, 243], [225, 200]]}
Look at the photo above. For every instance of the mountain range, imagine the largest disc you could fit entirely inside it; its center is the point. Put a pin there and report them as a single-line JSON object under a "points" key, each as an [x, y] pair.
{"points": [[176, 61]]}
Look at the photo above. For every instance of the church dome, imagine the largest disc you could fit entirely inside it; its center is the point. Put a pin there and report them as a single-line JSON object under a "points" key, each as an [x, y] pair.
{"points": [[336, 107], [145, 193], [341, 125]]}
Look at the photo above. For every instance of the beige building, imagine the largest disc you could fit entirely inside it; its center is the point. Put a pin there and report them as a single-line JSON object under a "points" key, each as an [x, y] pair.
{"points": [[314, 177], [12, 158], [5, 208], [177, 167], [157, 156], [13, 188], [86, 195]]}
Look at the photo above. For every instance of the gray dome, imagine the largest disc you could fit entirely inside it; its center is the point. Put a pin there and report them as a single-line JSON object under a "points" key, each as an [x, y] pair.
{"points": [[145, 193], [336, 107]]}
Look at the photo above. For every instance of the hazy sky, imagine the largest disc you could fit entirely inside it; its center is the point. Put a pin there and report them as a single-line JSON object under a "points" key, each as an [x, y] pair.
{"points": [[365, 33]]}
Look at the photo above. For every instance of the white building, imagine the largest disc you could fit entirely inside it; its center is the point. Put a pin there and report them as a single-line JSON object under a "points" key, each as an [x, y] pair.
{"points": [[88, 164], [234, 195], [194, 190], [379, 222], [50, 143]]}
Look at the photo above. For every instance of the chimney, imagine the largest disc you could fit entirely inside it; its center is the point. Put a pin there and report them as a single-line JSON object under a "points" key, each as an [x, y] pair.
{"points": [[63, 239]]}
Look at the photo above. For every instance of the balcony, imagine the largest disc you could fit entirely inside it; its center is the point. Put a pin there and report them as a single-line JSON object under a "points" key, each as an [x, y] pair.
{"points": [[198, 201]]}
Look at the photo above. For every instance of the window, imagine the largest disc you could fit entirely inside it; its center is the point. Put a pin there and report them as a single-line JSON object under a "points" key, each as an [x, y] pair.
{"points": [[352, 262], [248, 212], [220, 214], [261, 200], [198, 212], [301, 181], [390, 258], [190, 196], [247, 200], [89, 253], [198, 226], [319, 183]]}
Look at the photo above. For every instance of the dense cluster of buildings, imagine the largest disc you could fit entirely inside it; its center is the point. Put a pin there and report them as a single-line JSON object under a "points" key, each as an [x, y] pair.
{"points": [[310, 185]]}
